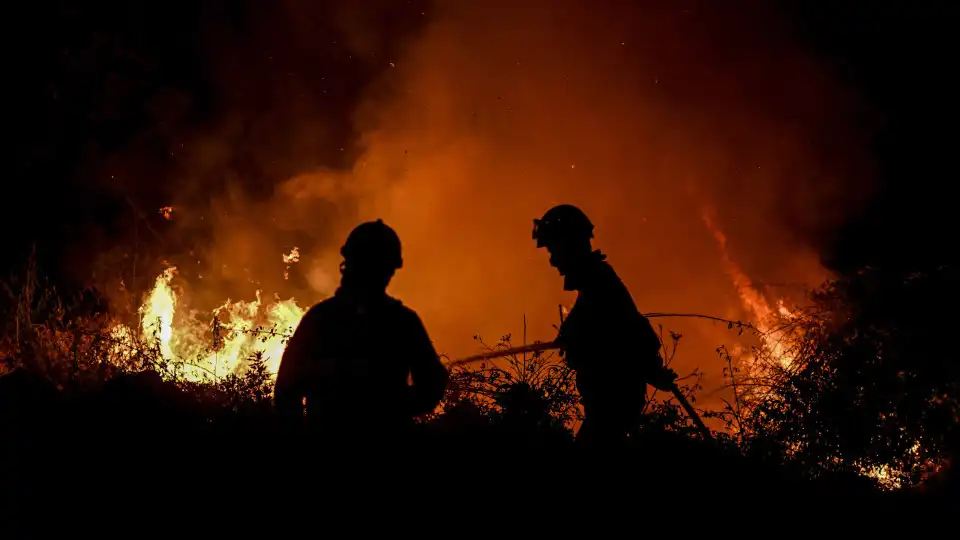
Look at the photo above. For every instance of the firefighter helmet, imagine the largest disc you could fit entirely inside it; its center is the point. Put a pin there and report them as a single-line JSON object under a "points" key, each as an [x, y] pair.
{"points": [[373, 243], [563, 222]]}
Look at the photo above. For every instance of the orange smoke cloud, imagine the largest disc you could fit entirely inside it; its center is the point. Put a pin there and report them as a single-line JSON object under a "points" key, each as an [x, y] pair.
{"points": [[641, 116]]}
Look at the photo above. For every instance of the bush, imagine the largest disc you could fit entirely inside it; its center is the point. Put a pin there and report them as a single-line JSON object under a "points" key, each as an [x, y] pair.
{"points": [[868, 386], [872, 386]]}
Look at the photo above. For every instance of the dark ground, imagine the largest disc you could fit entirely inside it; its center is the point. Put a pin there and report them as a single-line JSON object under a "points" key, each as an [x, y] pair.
{"points": [[140, 447]]}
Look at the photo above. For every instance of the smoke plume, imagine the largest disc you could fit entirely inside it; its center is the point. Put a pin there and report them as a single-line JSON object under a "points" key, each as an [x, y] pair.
{"points": [[649, 118], [644, 117]]}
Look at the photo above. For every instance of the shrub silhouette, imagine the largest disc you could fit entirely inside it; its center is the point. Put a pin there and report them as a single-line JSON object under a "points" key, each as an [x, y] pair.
{"points": [[866, 386]]}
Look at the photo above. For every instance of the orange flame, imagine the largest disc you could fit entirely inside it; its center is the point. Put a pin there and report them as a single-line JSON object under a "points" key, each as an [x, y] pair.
{"points": [[768, 320], [210, 351], [293, 256], [156, 314], [290, 258]]}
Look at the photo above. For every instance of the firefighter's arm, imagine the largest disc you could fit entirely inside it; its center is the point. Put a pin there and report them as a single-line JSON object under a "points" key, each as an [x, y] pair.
{"points": [[429, 375], [662, 377], [288, 392], [657, 373]]}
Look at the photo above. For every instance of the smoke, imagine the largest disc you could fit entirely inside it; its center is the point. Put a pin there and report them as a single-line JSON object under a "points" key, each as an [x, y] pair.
{"points": [[644, 117], [648, 118], [242, 100]]}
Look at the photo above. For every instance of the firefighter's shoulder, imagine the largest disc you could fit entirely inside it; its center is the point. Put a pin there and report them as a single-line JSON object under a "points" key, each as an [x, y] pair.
{"points": [[395, 305], [401, 311], [321, 312]]}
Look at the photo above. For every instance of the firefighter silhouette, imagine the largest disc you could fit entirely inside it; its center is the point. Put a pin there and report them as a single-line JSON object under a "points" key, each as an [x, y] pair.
{"points": [[610, 345], [353, 355]]}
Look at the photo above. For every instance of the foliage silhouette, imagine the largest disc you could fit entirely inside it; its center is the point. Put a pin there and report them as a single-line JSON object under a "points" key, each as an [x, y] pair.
{"points": [[873, 384], [867, 388]]}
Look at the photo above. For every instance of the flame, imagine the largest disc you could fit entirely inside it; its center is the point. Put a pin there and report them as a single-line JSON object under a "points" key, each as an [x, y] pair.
{"points": [[885, 475], [156, 314], [768, 321], [285, 316], [771, 322], [123, 340], [208, 346], [166, 212], [293, 256], [290, 258]]}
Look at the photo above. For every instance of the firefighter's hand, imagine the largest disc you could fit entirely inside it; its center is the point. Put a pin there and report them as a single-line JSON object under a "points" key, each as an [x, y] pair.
{"points": [[664, 379]]}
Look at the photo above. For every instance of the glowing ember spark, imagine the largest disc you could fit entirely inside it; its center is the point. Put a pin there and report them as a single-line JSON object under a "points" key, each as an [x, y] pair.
{"points": [[166, 212], [293, 256], [123, 341], [885, 475], [290, 258]]}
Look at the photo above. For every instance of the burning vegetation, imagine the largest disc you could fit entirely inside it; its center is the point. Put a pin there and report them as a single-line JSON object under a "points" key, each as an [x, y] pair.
{"points": [[207, 346], [785, 369], [459, 142]]}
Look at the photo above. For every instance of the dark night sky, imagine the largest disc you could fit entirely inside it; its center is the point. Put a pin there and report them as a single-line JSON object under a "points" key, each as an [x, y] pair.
{"points": [[101, 89], [897, 54], [106, 92]]}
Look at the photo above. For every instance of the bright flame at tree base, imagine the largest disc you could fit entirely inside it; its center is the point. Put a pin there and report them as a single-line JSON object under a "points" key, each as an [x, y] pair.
{"points": [[208, 346]]}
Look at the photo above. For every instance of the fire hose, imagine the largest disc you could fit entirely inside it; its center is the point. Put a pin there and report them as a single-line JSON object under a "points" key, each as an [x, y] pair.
{"points": [[539, 347]]}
